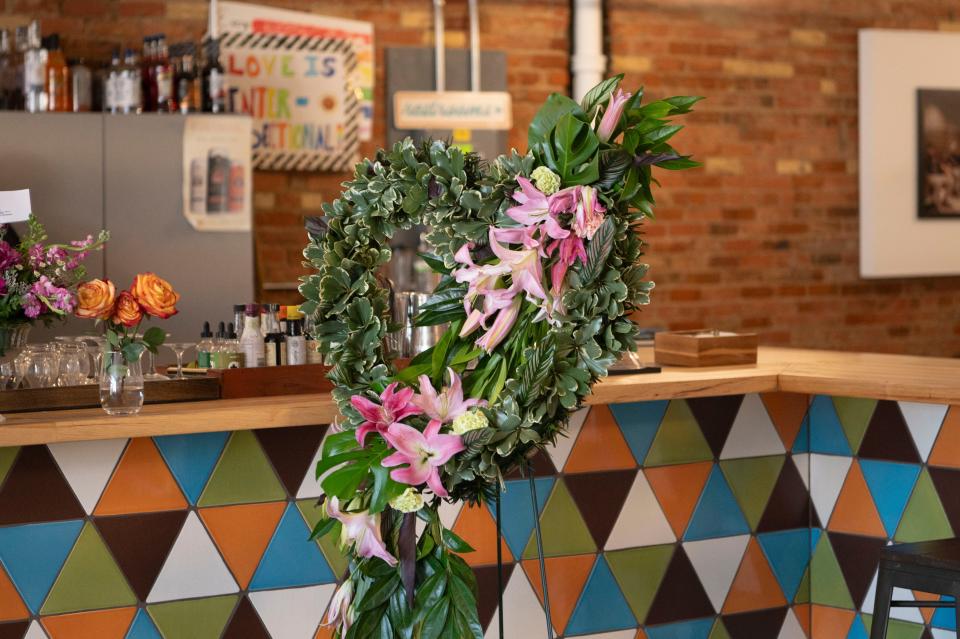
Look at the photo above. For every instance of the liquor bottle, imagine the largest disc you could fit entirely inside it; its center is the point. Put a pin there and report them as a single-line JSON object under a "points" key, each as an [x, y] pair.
{"points": [[111, 85], [148, 75], [238, 312], [251, 341], [296, 342], [205, 347], [34, 71], [129, 89], [58, 77], [273, 339], [5, 69], [16, 65], [212, 78], [163, 72], [81, 87], [189, 93]]}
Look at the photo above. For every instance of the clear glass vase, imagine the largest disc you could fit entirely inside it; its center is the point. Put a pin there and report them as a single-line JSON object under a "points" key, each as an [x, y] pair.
{"points": [[121, 384]]}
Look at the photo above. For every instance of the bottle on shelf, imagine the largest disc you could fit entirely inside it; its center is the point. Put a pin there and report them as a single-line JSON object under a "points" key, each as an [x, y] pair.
{"points": [[81, 87], [283, 318], [129, 94], [34, 71], [205, 347], [251, 340], [314, 356], [185, 79], [111, 84], [236, 358], [238, 313], [163, 73], [148, 74], [58, 77], [212, 76], [6, 70], [273, 339], [296, 342], [16, 63]]}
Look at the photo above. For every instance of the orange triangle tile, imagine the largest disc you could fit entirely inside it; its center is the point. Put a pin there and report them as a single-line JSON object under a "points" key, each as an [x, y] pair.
{"points": [[855, 512], [100, 624], [678, 489], [831, 622], [946, 450], [242, 534], [476, 526], [640, 634], [600, 445], [142, 483], [802, 612], [565, 579], [787, 411], [754, 587], [324, 632], [11, 605], [926, 596]]}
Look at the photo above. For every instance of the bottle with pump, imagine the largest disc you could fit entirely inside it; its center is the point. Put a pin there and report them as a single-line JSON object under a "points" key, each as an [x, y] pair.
{"points": [[205, 347], [58, 77], [251, 341], [273, 339], [296, 342], [34, 71]]}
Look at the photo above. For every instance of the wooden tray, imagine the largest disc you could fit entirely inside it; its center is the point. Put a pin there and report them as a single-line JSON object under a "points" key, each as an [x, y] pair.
{"points": [[88, 396], [272, 380], [706, 347]]}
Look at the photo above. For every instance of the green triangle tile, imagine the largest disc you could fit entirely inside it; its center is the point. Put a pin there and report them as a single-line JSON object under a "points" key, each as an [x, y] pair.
{"points": [[564, 530], [899, 629], [854, 414], [828, 586], [7, 456], [719, 631], [803, 591], [90, 579], [639, 572], [679, 439], [311, 513], [243, 475], [924, 517], [193, 618], [752, 480]]}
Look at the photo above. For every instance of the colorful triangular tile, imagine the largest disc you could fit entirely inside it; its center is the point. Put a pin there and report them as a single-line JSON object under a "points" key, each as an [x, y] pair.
{"points": [[946, 449], [566, 577], [143, 627], [854, 414], [563, 528], [716, 416], [891, 484], [828, 586], [522, 614], [600, 498], [35, 490], [639, 571], [293, 612], [141, 483], [828, 473], [679, 439], [602, 607], [194, 618], [678, 488], [791, 628], [827, 621], [191, 459], [476, 526], [788, 505], [193, 568], [759, 623], [89, 580], [752, 480], [560, 451], [241, 533], [946, 619], [826, 432], [88, 466], [755, 586], [788, 552], [716, 562], [33, 555], [804, 618], [924, 517], [910, 615], [140, 543], [102, 624], [246, 623], [11, 604], [243, 474], [802, 463], [947, 483], [787, 411], [329, 544], [600, 445], [888, 437], [639, 423], [290, 450], [695, 629], [488, 587], [717, 513], [719, 631], [753, 433], [857, 629], [680, 595], [858, 557], [923, 421], [854, 511], [516, 508], [801, 443], [310, 486], [641, 506], [291, 558], [8, 454], [35, 631], [16, 629]]}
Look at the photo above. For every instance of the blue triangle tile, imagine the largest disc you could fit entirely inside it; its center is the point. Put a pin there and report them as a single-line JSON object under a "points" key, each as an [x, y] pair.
{"points": [[639, 422], [802, 443], [695, 629], [602, 607], [33, 555], [858, 630], [291, 559], [517, 513], [191, 459], [143, 627], [826, 433], [788, 554], [944, 618], [814, 539], [890, 484], [717, 513]]}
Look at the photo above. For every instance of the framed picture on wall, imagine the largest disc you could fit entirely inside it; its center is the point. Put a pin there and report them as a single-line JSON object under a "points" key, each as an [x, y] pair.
{"points": [[938, 153]]}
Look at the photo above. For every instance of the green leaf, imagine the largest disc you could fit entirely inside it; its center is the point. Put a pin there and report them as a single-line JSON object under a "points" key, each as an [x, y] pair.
{"points": [[132, 352], [547, 117], [326, 463], [379, 592], [384, 489], [154, 336], [679, 164], [454, 542], [341, 442], [435, 620], [598, 250], [574, 144], [599, 94], [343, 482], [435, 262], [323, 526]]}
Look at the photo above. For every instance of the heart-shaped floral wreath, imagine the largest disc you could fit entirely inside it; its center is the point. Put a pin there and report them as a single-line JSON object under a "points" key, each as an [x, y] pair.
{"points": [[538, 257]]}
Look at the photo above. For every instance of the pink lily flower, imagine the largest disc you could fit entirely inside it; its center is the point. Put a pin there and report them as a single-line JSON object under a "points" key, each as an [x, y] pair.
{"points": [[501, 326], [612, 114], [589, 214], [493, 301], [565, 200], [534, 209], [423, 452], [338, 611], [525, 268], [362, 530], [571, 249], [394, 406], [447, 405]]}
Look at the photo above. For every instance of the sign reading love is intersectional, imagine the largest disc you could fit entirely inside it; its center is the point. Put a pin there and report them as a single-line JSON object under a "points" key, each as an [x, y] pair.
{"points": [[298, 91]]}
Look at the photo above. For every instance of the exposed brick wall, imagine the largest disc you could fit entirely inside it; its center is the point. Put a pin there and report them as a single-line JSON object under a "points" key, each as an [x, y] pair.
{"points": [[764, 237]]}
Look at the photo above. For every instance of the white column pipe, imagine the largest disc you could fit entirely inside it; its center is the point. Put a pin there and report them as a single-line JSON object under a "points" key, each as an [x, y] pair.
{"points": [[440, 63], [474, 45], [587, 62]]}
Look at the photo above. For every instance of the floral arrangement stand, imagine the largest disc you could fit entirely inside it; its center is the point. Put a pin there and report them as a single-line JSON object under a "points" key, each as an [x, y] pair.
{"points": [[539, 262]]}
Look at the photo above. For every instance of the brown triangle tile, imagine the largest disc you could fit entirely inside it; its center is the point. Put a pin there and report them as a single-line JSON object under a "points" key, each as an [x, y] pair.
{"points": [[246, 623], [888, 437], [600, 498], [715, 416], [858, 558], [947, 483], [926, 634], [789, 503], [140, 543], [291, 450], [542, 467], [681, 595], [753, 625], [36, 490], [487, 586], [14, 630]]}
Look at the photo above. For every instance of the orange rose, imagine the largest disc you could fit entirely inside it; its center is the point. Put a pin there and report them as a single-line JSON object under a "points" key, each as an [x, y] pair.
{"points": [[95, 299], [155, 295], [127, 311]]}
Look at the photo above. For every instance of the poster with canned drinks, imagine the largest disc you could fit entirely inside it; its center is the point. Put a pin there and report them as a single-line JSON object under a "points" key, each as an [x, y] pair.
{"points": [[217, 174]]}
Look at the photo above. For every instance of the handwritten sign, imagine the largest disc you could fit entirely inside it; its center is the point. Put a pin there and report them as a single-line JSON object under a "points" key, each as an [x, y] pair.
{"points": [[15, 206], [488, 110], [297, 89]]}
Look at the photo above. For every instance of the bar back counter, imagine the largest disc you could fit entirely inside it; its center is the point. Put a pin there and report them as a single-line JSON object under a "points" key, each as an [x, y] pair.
{"points": [[747, 502]]}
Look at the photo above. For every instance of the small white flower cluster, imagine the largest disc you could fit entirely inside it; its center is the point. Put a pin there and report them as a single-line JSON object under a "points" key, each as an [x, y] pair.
{"points": [[546, 180], [409, 501], [470, 420]]}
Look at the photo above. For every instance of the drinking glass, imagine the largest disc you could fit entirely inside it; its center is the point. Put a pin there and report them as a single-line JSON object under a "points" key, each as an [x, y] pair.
{"points": [[152, 375], [94, 345], [40, 365], [74, 364], [179, 348]]}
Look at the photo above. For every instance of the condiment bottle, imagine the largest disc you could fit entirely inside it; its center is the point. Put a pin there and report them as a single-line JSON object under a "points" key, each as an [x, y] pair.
{"points": [[205, 347], [235, 356], [81, 87], [34, 71], [296, 342], [58, 77], [163, 73], [251, 341], [273, 339], [314, 356], [218, 352]]}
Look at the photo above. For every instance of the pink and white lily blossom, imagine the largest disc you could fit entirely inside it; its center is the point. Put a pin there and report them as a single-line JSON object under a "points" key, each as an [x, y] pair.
{"points": [[394, 406], [526, 271], [611, 116], [535, 209], [501, 326], [589, 213], [571, 249], [423, 453], [448, 404], [362, 530], [339, 612]]}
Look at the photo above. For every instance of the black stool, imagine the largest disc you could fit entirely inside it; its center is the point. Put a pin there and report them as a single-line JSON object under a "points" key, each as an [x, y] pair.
{"points": [[929, 566]]}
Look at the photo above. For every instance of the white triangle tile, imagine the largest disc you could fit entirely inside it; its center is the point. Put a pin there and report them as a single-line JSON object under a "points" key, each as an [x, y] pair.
{"points": [[828, 473], [449, 512], [35, 631], [867, 606], [621, 634], [905, 614], [753, 433], [939, 633], [791, 628], [88, 466], [522, 612], [561, 451], [310, 486], [802, 463], [641, 521], [716, 562], [924, 422], [193, 568], [292, 613]]}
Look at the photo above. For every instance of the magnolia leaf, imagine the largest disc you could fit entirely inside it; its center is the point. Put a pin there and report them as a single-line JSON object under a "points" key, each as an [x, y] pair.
{"points": [[548, 115]]}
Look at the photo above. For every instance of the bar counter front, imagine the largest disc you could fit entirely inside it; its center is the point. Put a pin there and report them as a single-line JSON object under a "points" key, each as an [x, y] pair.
{"points": [[748, 502]]}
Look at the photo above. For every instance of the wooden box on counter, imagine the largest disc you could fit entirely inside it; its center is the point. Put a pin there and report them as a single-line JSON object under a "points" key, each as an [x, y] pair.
{"points": [[272, 380], [705, 347]]}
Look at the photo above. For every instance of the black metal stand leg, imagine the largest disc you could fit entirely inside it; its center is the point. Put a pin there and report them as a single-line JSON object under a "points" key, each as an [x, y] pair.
{"points": [[543, 567], [499, 569], [881, 606]]}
